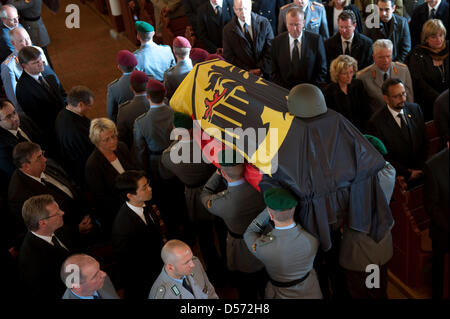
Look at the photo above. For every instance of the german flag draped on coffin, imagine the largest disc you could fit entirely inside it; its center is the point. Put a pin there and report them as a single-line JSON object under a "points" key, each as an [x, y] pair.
{"points": [[324, 160]]}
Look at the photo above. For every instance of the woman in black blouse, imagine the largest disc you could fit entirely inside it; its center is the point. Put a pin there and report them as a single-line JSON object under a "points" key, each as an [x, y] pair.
{"points": [[346, 95]]}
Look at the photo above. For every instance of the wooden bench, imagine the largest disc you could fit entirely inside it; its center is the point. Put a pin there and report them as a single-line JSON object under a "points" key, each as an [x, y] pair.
{"points": [[411, 262]]}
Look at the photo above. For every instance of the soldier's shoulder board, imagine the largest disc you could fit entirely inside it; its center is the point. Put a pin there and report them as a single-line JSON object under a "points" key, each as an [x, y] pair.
{"points": [[365, 70], [286, 6], [124, 103], [8, 59], [160, 293], [402, 65], [140, 117], [111, 83], [266, 239], [317, 4]]}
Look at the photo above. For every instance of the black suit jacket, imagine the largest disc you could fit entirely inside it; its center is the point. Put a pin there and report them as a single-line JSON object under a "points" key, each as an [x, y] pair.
{"points": [[137, 247], [312, 58], [39, 104], [361, 49], [210, 26], [420, 16], [436, 197], [399, 35], [330, 18], [239, 52], [39, 267], [100, 178], [402, 154]]}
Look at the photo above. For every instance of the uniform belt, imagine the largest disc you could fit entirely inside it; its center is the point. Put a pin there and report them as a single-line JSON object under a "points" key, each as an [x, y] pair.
{"points": [[234, 235], [290, 283], [30, 19]]}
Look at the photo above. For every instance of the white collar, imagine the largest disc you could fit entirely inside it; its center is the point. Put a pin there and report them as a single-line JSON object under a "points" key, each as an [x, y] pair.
{"points": [[219, 3], [351, 39], [38, 179], [48, 239], [291, 39], [36, 77], [395, 113]]}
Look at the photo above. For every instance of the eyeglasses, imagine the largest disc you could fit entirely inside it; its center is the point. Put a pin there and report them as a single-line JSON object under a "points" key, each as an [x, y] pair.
{"points": [[9, 116], [397, 96], [58, 213]]}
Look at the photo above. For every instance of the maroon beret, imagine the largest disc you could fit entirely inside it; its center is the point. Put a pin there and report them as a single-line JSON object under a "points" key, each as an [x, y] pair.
{"points": [[138, 77], [198, 54], [155, 86], [126, 58], [181, 42], [214, 56]]}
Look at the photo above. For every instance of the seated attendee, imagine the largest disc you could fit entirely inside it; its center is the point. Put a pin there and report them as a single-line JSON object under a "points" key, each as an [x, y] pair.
{"points": [[431, 9], [441, 116], [130, 110], [119, 90], [401, 128], [335, 8], [285, 248], [109, 159], [72, 132], [136, 237], [182, 276], [198, 55], [44, 249], [34, 177], [176, 74], [91, 282], [392, 27], [383, 68], [40, 95], [11, 69], [9, 20], [214, 56], [346, 95], [428, 64], [247, 39], [212, 16], [348, 41], [152, 59]]}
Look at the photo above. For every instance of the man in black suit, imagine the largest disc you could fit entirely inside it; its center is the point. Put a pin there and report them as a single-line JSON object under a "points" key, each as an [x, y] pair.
{"points": [[298, 56], [349, 41], [136, 236], [40, 96], [247, 39], [212, 16], [72, 132], [436, 195], [392, 27], [432, 9], [132, 109], [400, 126], [44, 249], [33, 177]]}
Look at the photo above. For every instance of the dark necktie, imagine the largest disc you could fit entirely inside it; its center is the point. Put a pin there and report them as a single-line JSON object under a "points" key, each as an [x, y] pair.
{"points": [[20, 137], [385, 76], [186, 285], [404, 126], [218, 10], [148, 217], [296, 56], [433, 14], [57, 244], [347, 48], [247, 34], [44, 83]]}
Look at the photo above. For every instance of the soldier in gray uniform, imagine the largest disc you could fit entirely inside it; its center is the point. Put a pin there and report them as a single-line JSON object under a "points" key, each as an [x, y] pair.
{"points": [[182, 276], [119, 90], [11, 70], [228, 195], [374, 75], [152, 58], [30, 18], [315, 17], [176, 74], [286, 249]]}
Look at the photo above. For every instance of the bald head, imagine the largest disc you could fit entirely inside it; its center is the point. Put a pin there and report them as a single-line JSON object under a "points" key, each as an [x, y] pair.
{"points": [[173, 250], [19, 38], [9, 16]]}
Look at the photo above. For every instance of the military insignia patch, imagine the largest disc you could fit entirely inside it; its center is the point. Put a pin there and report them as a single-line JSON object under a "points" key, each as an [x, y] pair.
{"points": [[175, 290]]}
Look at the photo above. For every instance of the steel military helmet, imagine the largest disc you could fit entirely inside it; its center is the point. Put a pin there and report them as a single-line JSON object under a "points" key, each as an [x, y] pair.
{"points": [[306, 100]]}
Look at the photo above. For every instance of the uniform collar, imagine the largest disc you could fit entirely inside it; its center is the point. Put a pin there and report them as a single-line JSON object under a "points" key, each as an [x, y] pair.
{"points": [[236, 183]]}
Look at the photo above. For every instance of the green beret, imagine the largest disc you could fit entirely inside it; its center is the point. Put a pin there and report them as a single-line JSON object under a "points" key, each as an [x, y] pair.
{"points": [[182, 120], [377, 143], [279, 199], [228, 157], [143, 26]]}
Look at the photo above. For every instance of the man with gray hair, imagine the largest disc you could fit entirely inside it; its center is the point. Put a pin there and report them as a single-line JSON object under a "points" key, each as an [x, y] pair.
{"points": [[152, 59], [44, 248], [10, 20], [383, 68], [176, 74], [84, 280], [182, 276]]}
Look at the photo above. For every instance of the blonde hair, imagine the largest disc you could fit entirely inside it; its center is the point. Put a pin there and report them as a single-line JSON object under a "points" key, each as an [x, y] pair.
{"points": [[98, 126], [432, 27], [342, 62]]}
